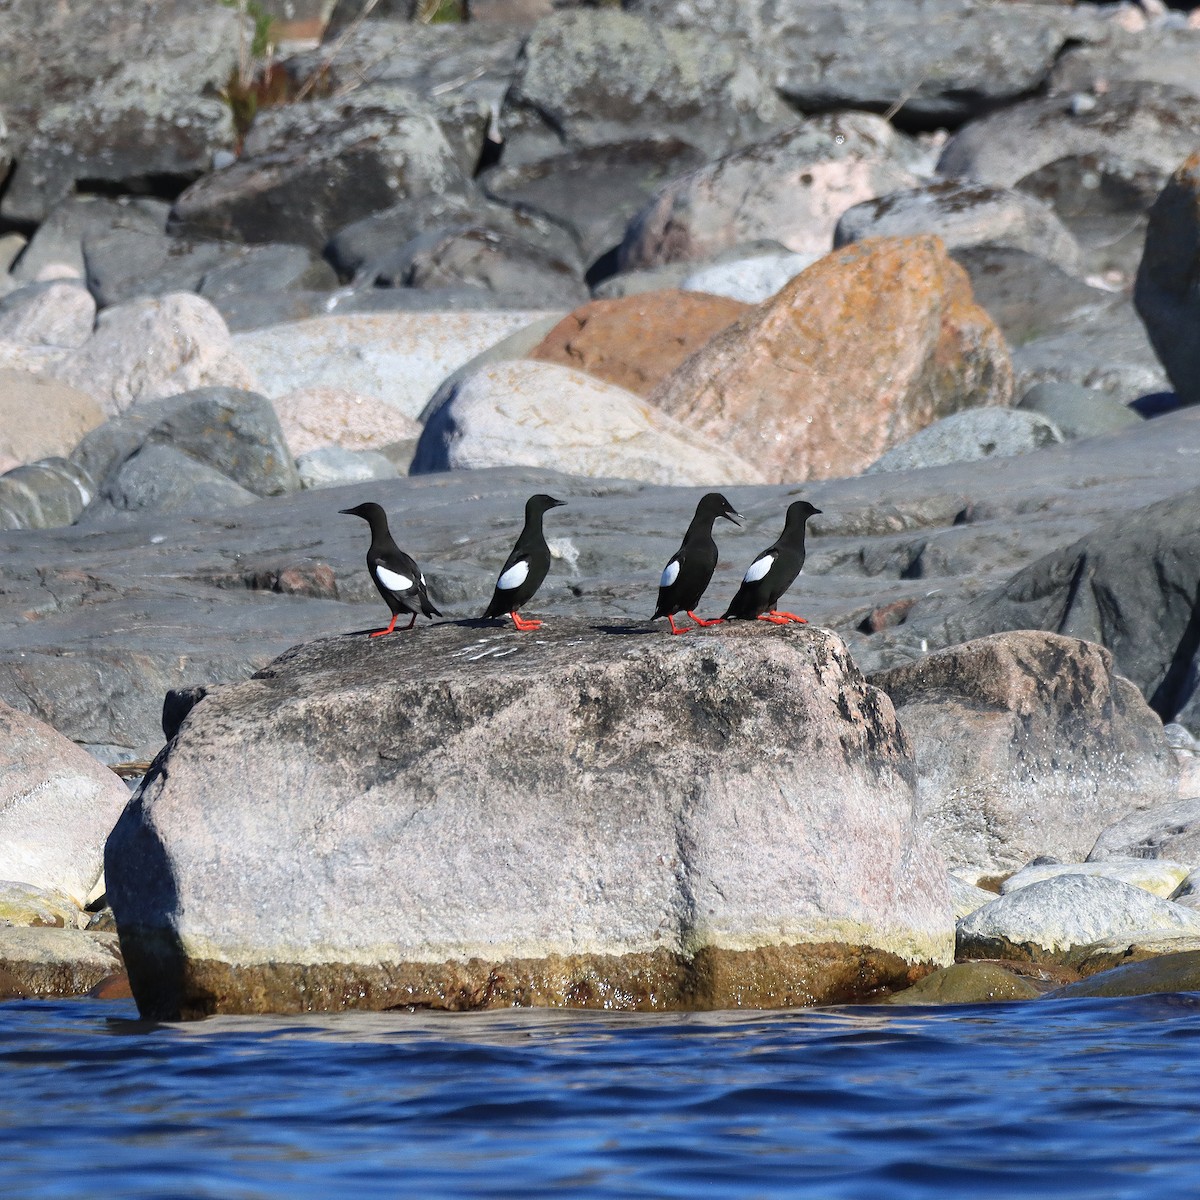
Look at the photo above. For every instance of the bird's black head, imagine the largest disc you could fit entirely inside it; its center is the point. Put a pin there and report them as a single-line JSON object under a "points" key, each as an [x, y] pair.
{"points": [[370, 512], [715, 505], [799, 512], [536, 505]]}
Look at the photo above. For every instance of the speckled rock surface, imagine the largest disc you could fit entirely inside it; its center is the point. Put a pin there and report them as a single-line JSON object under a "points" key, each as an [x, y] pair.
{"points": [[57, 805], [1059, 746], [538, 821], [40, 417], [968, 436], [47, 963], [968, 983]]}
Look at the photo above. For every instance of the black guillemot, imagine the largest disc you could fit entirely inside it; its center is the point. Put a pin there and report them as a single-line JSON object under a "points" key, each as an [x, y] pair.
{"points": [[774, 571], [691, 567], [397, 576], [526, 567]]}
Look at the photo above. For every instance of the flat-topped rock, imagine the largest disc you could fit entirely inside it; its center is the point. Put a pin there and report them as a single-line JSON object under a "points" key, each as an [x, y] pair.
{"points": [[588, 816]]}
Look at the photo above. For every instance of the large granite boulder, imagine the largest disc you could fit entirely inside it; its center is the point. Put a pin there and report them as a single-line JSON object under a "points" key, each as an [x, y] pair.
{"points": [[637, 341], [791, 188], [57, 805], [870, 344], [40, 417], [471, 818], [545, 415], [1167, 294], [399, 359], [1026, 744], [968, 436], [154, 348]]}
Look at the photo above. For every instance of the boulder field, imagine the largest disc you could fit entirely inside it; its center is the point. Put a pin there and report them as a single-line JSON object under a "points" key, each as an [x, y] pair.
{"points": [[588, 817]]}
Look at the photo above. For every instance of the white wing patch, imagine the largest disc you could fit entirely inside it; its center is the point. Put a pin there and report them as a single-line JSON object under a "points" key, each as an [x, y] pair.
{"points": [[758, 568], [393, 580], [513, 577], [670, 573]]}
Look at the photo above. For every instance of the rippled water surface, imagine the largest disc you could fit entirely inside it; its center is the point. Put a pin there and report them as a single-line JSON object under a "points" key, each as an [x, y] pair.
{"points": [[1050, 1098]]}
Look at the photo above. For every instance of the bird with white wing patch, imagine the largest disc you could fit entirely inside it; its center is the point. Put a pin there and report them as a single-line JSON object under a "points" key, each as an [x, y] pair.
{"points": [[396, 576], [690, 569], [774, 571], [526, 567]]}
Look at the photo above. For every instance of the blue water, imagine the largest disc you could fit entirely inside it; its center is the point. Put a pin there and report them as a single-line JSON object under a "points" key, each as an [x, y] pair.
{"points": [[1089, 1098]]}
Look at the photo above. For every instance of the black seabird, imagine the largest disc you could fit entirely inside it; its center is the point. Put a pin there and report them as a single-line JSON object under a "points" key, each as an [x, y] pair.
{"points": [[526, 566], [691, 567], [397, 577], [774, 571]]}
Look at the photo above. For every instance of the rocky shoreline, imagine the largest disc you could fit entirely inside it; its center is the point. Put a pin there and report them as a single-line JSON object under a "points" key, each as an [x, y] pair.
{"points": [[930, 266]]}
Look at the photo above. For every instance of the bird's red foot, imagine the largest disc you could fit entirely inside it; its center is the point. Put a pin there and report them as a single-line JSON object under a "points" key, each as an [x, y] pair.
{"points": [[703, 623], [674, 627], [787, 616], [522, 624], [384, 632], [774, 618]]}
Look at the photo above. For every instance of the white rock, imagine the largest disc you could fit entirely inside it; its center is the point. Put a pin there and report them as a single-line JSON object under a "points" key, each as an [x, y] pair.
{"points": [[544, 415], [55, 314], [154, 348], [1152, 875], [1069, 910], [750, 280], [396, 358], [966, 897], [316, 417], [332, 466], [57, 806]]}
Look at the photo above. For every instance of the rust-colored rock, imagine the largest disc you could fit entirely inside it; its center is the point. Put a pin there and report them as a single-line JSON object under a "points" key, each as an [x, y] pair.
{"points": [[856, 354], [637, 341]]}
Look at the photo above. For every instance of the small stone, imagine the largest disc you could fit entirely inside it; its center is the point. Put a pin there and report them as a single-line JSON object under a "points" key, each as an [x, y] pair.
{"points": [[1155, 876], [44, 963], [967, 983], [333, 466], [1173, 972]]}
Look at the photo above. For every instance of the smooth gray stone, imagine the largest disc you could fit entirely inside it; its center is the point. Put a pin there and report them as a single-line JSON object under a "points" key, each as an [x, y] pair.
{"points": [[1159, 54], [163, 479], [44, 494], [1079, 411], [234, 432], [1027, 296], [968, 436], [963, 214]]}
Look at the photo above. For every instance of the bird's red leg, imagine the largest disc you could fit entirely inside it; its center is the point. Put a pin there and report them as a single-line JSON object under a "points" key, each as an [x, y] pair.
{"points": [[674, 628], [381, 632], [787, 616], [774, 618], [522, 624], [703, 623]]}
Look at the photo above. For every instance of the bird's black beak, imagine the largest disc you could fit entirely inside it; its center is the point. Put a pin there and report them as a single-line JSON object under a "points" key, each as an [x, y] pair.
{"points": [[559, 504], [735, 518], [345, 512]]}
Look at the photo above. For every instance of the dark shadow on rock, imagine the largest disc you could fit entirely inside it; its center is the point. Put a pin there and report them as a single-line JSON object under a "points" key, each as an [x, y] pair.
{"points": [[632, 629]]}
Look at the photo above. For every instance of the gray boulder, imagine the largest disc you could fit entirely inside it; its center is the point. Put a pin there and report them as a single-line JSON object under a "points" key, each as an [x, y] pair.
{"points": [[231, 432], [1159, 877], [1177, 971], [1079, 411], [750, 280], [790, 188], [1170, 830], [1168, 292], [1026, 743], [311, 169], [114, 93], [44, 494], [963, 214], [160, 478], [1046, 921], [1148, 124], [603, 77], [1159, 54], [57, 805], [537, 821], [59, 312], [971, 435], [939, 61]]}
